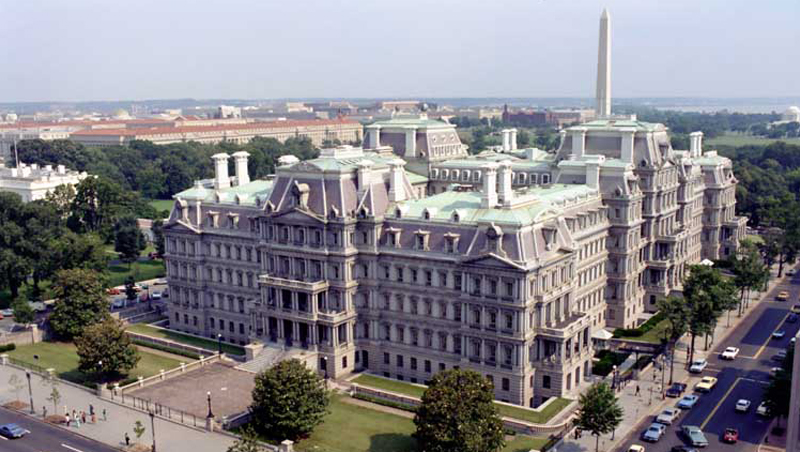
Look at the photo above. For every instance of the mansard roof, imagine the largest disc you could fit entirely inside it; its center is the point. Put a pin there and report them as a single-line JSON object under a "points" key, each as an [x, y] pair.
{"points": [[252, 193]]}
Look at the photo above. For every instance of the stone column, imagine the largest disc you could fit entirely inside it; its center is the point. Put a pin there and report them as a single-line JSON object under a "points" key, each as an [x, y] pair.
{"points": [[411, 141], [578, 141]]}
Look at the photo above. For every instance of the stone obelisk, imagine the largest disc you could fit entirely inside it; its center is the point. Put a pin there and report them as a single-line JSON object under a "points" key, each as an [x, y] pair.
{"points": [[604, 67]]}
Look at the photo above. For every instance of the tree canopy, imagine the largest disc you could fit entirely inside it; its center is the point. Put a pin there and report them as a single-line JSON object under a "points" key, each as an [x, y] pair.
{"points": [[289, 400], [458, 414], [105, 351], [599, 411], [129, 241], [80, 302]]}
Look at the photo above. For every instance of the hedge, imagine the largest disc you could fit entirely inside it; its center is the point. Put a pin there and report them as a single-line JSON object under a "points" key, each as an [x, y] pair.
{"points": [[163, 348], [8, 347], [608, 360], [384, 402], [645, 327]]}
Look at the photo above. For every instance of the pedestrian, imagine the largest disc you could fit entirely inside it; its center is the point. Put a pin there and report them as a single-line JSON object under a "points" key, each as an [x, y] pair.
{"points": [[91, 409], [637, 390], [68, 419], [105, 418], [83, 417], [127, 439], [94, 419], [74, 415], [44, 411], [78, 422]]}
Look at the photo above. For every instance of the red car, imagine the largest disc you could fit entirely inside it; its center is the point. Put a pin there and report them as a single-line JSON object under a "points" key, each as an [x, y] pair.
{"points": [[113, 291], [731, 435]]}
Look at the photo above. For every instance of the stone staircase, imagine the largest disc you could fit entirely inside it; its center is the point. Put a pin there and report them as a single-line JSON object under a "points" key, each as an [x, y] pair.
{"points": [[268, 357]]}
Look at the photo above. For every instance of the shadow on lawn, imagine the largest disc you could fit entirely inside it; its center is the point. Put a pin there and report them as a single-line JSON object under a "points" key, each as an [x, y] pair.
{"points": [[391, 442]]}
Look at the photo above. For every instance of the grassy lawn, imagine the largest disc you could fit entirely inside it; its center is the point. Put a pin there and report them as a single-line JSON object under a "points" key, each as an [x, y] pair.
{"points": [[141, 271], [400, 387], [63, 358], [522, 443], [176, 336], [739, 139], [655, 335], [161, 204]]}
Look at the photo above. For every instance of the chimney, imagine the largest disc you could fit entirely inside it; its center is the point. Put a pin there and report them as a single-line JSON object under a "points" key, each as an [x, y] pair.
{"points": [[221, 179], [506, 140], [627, 145], [240, 159], [489, 198], [397, 191], [593, 171], [61, 169], [364, 173], [696, 144], [374, 132], [48, 168], [513, 139], [578, 141], [287, 160], [506, 193]]}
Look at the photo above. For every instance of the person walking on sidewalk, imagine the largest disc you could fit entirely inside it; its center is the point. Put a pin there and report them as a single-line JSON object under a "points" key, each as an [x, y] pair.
{"points": [[127, 439], [105, 417], [637, 390], [66, 416]]}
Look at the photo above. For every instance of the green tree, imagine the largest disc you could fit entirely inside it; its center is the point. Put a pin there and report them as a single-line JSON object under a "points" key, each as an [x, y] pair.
{"points": [[289, 400], [676, 313], [60, 199], [130, 288], [23, 312], [458, 413], [138, 429], [708, 294], [158, 237], [749, 271], [80, 302], [15, 264], [247, 442], [105, 351], [776, 394], [72, 250], [54, 396], [599, 412], [129, 241]]}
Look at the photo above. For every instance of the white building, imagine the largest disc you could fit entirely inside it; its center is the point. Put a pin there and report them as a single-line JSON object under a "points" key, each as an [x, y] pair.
{"points": [[34, 182]]}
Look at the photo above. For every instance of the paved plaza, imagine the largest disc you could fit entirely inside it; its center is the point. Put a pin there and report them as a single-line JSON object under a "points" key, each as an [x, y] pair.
{"points": [[230, 391]]}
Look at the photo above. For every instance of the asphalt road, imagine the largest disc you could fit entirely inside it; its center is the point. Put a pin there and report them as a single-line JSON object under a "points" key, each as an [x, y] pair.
{"points": [[45, 437], [744, 378]]}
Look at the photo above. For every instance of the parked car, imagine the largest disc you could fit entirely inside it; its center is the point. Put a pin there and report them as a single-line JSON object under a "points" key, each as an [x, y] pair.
{"points": [[742, 405], [795, 310], [165, 293], [730, 436], [780, 356], [783, 295], [13, 431], [7, 312], [698, 366], [780, 334], [668, 416], [793, 316], [730, 353], [695, 435], [118, 303], [762, 409], [113, 291], [706, 384], [156, 295], [791, 272], [636, 448], [676, 389], [683, 448], [654, 432]]}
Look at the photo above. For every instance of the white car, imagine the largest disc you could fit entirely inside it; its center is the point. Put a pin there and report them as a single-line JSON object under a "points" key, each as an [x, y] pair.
{"points": [[730, 353], [742, 405], [156, 295], [762, 409], [668, 416], [791, 272], [698, 366]]}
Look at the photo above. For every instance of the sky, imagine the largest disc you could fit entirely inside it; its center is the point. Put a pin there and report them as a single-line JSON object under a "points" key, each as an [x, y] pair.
{"points": [[82, 50]]}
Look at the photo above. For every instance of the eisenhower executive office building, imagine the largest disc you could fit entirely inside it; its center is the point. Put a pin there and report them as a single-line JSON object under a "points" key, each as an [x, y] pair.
{"points": [[409, 256]]}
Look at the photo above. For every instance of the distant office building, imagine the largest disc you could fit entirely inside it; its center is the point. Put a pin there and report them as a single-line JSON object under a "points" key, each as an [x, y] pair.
{"points": [[228, 112], [556, 118], [34, 182], [8, 138], [318, 131]]}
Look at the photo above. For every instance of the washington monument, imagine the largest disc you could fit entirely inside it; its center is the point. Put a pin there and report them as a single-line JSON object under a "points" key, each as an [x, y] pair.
{"points": [[604, 67]]}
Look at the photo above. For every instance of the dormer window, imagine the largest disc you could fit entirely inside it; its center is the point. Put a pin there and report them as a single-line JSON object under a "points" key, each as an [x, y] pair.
{"points": [[545, 179], [213, 219], [393, 237], [426, 215], [421, 240], [549, 235], [451, 243], [494, 239], [233, 220]]}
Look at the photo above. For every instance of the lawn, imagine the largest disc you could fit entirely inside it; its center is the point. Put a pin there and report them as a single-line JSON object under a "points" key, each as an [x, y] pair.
{"points": [[739, 139], [161, 204], [656, 334], [400, 387], [352, 428], [208, 344], [141, 271], [63, 358]]}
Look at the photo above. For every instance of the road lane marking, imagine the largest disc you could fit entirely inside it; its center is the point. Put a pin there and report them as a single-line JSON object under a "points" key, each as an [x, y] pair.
{"points": [[71, 448], [780, 324], [3, 437], [754, 380], [714, 411]]}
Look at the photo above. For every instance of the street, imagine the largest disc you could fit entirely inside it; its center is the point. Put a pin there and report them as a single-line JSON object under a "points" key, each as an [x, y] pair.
{"points": [[45, 437], [743, 378]]}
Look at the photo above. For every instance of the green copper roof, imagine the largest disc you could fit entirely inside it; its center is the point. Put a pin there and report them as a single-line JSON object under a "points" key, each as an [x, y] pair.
{"points": [[415, 178], [245, 194], [611, 123], [345, 164], [546, 203]]}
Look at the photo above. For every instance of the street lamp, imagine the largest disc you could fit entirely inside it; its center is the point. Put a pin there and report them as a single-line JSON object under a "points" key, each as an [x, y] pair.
{"points": [[219, 344], [614, 377], [153, 429], [210, 414], [30, 389], [663, 371]]}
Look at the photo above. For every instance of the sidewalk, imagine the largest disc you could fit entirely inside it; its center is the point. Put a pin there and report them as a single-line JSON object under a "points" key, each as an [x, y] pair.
{"points": [[170, 437], [638, 410]]}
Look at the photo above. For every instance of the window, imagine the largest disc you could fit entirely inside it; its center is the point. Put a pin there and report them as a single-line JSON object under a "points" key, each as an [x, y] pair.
{"points": [[386, 359], [441, 367], [427, 366], [413, 363], [344, 362], [241, 328], [506, 384], [546, 381], [399, 360]]}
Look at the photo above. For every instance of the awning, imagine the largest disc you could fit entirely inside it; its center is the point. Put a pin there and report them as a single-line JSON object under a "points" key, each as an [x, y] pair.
{"points": [[602, 335]]}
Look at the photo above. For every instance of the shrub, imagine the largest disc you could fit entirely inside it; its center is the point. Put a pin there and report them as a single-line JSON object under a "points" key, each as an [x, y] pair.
{"points": [[8, 347], [164, 348], [384, 402]]}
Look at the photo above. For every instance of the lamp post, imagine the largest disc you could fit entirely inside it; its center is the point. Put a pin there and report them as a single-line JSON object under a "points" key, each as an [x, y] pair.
{"points": [[614, 377], [30, 389], [210, 414], [153, 429], [325, 369], [219, 344], [663, 371]]}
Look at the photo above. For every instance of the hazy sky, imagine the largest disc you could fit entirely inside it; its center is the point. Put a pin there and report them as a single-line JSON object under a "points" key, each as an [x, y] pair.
{"points": [[146, 49]]}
